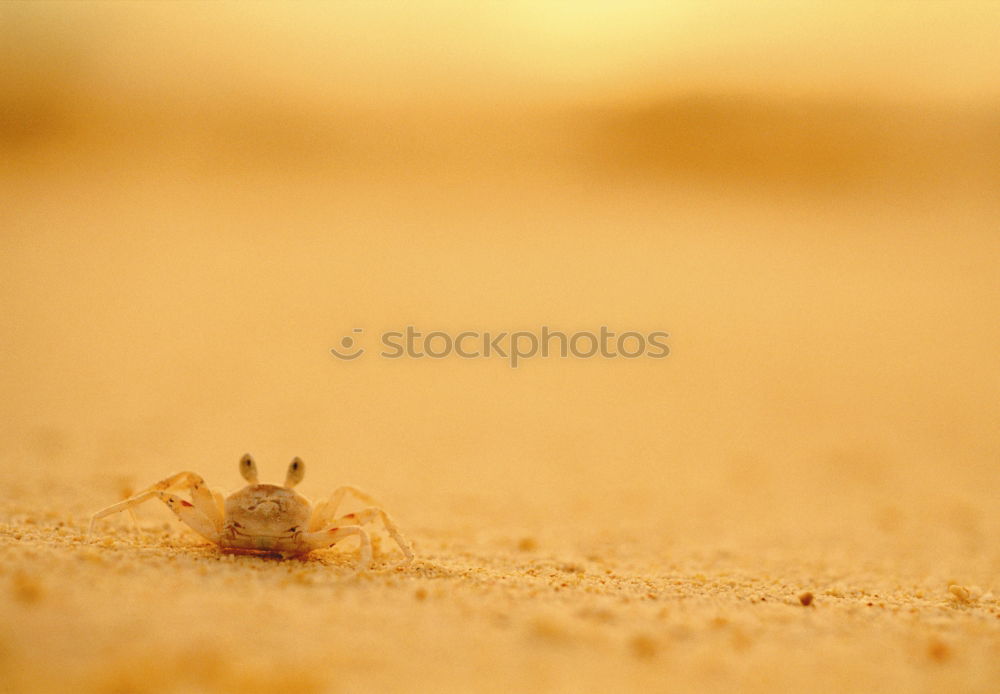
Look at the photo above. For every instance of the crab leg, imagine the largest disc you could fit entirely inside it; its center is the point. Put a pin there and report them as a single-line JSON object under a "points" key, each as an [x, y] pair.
{"points": [[368, 515], [191, 516], [220, 503], [324, 510], [184, 510], [331, 536], [205, 501]]}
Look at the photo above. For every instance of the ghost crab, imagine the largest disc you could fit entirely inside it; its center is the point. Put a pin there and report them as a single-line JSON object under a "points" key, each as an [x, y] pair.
{"points": [[266, 518]]}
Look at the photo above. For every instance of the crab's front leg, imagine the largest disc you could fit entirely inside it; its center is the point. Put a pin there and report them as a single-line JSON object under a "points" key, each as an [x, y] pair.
{"points": [[330, 536], [204, 516], [205, 500], [184, 510]]}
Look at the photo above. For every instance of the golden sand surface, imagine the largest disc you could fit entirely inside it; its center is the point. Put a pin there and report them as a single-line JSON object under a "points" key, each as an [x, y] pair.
{"points": [[890, 595], [197, 202]]}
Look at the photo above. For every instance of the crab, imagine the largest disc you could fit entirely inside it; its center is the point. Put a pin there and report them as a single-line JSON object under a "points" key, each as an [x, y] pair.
{"points": [[266, 518]]}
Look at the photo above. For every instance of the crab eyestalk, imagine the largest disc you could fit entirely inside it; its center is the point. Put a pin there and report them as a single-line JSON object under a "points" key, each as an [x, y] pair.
{"points": [[248, 468], [296, 471]]}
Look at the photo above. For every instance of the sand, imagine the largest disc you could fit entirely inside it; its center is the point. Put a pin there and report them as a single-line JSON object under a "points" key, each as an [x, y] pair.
{"points": [[574, 606]]}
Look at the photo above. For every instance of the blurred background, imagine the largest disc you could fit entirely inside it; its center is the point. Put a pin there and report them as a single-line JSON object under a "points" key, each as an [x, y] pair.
{"points": [[198, 200]]}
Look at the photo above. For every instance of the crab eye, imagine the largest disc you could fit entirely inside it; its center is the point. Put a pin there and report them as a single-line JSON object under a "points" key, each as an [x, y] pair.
{"points": [[248, 468], [296, 471]]}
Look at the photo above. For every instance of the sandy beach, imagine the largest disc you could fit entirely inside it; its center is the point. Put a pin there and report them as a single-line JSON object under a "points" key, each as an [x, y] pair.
{"points": [[577, 601]]}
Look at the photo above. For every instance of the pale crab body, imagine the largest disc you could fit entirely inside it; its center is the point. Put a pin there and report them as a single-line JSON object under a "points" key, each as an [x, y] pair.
{"points": [[266, 517]]}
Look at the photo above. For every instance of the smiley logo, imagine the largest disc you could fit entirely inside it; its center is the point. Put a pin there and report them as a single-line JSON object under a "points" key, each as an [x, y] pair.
{"points": [[347, 342]]}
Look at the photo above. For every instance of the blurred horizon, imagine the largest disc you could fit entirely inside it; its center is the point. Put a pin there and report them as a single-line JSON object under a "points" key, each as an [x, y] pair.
{"points": [[539, 82]]}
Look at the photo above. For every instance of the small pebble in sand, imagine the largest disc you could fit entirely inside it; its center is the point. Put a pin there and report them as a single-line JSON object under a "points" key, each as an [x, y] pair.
{"points": [[549, 628], [938, 650], [963, 594], [25, 588], [643, 646], [527, 544], [806, 599]]}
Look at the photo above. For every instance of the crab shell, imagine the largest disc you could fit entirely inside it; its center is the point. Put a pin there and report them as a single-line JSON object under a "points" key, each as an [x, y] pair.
{"points": [[266, 517]]}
